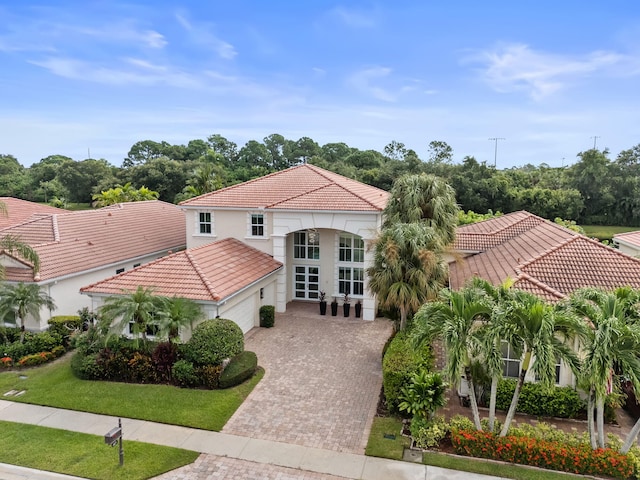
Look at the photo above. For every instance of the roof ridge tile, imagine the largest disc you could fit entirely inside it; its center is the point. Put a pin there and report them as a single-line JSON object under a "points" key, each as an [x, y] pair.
{"points": [[201, 274]]}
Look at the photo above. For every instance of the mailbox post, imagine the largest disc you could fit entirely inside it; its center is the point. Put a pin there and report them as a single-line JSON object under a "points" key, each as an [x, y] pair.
{"points": [[113, 437]]}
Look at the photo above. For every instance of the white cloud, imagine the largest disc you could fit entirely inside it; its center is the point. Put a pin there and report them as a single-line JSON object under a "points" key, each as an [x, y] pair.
{"points": [[364, 81], [540, 74], [354, 18], [202, 35]]}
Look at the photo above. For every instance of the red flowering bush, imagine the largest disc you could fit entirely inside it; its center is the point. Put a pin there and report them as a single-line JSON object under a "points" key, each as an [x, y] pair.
{"points": [[6, 362], [578, 459], [36, 359]]}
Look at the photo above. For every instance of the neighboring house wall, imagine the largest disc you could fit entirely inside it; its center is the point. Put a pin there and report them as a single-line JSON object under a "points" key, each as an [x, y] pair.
{"points": [[628, 248]]}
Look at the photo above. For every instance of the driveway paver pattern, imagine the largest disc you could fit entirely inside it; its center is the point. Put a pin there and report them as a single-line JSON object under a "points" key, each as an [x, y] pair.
{"points": [[213, 467], [322, 381]]}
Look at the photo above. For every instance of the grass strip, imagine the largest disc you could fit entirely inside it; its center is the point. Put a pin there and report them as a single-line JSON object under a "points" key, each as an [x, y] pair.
{"points": [[474, 465], [54, 385], [87, 456], [380, 444]]}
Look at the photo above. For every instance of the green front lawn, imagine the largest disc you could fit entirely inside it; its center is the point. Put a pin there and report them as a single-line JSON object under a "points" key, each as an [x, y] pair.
{"points": [[380, 444], [85, 455], [54, 385]]}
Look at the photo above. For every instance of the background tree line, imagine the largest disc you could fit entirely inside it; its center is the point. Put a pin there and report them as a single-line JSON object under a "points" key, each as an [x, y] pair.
{"points": [[594, 190]]}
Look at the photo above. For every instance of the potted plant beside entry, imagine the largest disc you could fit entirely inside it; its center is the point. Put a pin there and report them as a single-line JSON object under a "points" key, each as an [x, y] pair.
{"points": [[358, 307], [346, 305], [323, 302], [334, 307]]}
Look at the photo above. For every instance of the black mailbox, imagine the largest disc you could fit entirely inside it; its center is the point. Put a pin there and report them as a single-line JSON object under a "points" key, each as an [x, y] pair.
{"points": [[112, 437]]}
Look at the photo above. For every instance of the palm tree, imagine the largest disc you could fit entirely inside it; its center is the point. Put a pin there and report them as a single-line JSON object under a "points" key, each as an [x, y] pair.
{"points": [[22, 300], [408, 268], [178, 312], [12, 245], [612, 339], [137, 308], [423, 198], [455, 318], [540, 333]]}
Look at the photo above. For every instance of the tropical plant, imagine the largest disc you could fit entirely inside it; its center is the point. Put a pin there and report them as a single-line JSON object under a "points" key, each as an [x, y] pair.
{"points": [[177, 313], [455, 318], [121, 194], [408, 268], [424, 395], [138, 309], [540, 333], [12, 245], [611, 340], [21, 300]]}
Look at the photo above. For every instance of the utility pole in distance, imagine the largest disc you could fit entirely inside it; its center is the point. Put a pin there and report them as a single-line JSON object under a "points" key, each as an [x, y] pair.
{"points": [[595, 139], [495, 153]]}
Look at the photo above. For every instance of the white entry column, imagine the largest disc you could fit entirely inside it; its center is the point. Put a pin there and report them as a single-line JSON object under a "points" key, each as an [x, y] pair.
{"points": [[280, 254]]}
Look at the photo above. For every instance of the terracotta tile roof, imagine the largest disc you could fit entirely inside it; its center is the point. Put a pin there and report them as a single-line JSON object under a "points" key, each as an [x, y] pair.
{"points": [[305, 187], [211, 272], [19, 211], [72, 242], [477, 237], [549, 261], [632, 238]]}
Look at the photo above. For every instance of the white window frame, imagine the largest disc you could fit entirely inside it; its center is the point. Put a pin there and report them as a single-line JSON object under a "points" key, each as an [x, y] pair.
{"points": [[306, 247], [251, 216], [350, 273], [509, 358], [200, 223]]}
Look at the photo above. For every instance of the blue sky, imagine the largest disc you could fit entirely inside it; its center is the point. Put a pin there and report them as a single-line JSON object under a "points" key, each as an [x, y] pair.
{"points": [[101, 75]]}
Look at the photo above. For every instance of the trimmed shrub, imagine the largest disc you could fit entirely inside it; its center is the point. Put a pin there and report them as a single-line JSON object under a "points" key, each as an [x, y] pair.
{"points": [[140, 369], [42, 342], [214, 340], [86, 367], [267, 316], [184, 374], [536, 399], [209, 376], [11, 334], [65, 325], [35, 359], [541, 453], [58, 351], [15, 350], [241, 368], [6, 362], [164, 356], [428, 433], [400, 362]]}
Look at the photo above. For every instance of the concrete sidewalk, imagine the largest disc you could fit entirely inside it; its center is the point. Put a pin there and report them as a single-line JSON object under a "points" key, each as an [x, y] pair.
{"points": [[304, 459]]}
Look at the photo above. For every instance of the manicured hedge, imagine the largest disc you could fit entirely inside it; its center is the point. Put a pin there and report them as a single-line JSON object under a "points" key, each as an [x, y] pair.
{"points": [[401, 360], [213, 341], [65, 325], [580, 459], [241, 368], [267, 316], [535, 399]]}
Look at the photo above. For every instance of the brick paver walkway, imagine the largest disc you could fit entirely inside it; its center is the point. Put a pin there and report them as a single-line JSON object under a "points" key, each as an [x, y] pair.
{"points": [[213, 467], [322, 381]]}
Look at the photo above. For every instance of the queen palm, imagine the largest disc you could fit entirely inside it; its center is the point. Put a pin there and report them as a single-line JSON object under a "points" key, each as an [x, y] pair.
{"points": [[408, 268], [612, 338], [455, 319], [540, 333], [176, 313], [12, 245], [138, 308], [21, 300]]}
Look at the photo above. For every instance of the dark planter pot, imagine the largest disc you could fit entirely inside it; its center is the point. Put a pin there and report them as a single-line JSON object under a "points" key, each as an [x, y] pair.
{"points": [[323, 308], [358, 310], [346, 308], [334, 309]]}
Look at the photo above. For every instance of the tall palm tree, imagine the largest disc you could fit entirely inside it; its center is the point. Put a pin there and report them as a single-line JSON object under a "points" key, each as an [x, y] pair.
{"points": [[456, 318], [408, 268], [12, 245], [423, 198], [612, 339], [22, 300], [540, 333], [176, 313], [138, 308]]}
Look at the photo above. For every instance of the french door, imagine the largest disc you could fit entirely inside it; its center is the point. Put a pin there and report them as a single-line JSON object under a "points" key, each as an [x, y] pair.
{"points": [[306, 282]]}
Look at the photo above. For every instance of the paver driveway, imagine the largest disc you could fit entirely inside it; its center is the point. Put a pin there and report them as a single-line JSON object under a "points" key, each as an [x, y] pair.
{"points": [[322, 381]]}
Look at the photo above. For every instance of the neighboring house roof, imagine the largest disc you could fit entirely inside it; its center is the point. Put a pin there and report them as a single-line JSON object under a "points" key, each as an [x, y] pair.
{"points": [[305, 187], [19, 211], [543, 258], [73, 242], [630, 238], [211, 272]]}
